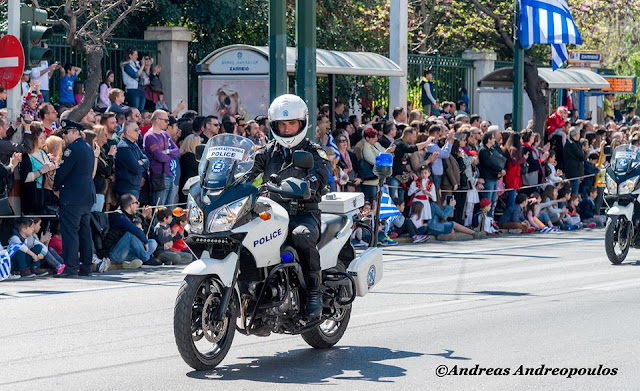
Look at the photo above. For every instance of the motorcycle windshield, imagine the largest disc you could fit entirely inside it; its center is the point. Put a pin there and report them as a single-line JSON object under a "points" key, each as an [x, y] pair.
{"points": [[625, 158], [221, 154]]}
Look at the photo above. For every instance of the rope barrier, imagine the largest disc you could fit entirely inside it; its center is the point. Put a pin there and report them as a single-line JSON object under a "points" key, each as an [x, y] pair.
{"points": [[108, 212], [505, 190]]}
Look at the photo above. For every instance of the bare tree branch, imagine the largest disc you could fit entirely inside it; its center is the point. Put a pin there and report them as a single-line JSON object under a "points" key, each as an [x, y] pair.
{"points": [[136, 5], [498, 21], [104, 12], [57, 22]]}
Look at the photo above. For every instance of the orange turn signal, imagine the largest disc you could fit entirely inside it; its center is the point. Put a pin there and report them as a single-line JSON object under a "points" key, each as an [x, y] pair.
{"points": [[265, 216]]}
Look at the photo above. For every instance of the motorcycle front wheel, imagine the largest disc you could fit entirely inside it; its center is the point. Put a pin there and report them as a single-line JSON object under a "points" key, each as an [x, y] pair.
{"points": [[202, 341], [617, 239], [329, 332]]}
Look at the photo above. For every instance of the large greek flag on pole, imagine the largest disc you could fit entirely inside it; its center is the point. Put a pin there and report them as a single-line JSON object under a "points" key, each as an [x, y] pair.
{"points": [[548, 22]]}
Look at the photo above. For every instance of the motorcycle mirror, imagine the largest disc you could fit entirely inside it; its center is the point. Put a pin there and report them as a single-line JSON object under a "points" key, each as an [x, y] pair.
{"points": [[292, 188], [189, 183], [303, 159], [199, 151]]}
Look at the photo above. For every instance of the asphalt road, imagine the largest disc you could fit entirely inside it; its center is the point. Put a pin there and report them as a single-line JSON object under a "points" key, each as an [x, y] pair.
{"points": [[540, 301]]}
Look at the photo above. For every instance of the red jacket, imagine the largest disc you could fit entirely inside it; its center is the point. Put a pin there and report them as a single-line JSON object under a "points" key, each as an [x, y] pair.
{"points": [[554, 122]]}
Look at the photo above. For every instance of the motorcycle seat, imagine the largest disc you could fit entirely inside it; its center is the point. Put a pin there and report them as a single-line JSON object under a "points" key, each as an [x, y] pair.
{"points": [[330, 225]]}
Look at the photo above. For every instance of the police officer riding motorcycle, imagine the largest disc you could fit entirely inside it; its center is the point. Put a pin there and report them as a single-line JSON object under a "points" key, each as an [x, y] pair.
{"points": [[289, 118], [268, 261]]}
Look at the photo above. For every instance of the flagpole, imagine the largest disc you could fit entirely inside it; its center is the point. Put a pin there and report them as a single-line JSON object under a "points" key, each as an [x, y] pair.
{"points": [[518, 73]]}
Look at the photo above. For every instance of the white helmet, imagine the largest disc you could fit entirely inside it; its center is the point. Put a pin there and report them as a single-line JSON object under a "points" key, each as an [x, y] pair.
{"points": [[286, 108]]}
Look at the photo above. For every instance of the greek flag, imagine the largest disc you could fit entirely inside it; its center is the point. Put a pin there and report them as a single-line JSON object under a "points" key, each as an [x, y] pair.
{"points": [[5, 265], [548, 22], [559, 55], [332, 144], [388, 209]]}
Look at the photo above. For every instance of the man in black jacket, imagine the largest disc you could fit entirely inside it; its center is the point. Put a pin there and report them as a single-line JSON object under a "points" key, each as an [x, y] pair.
{"points": [[573, 160], [491, 168], [7, 148], [288, 118], [127, 241]]}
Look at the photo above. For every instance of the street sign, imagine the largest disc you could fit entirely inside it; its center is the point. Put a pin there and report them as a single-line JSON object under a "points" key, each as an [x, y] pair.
{"points": [[620, 84], [585, 57], [11, 61]]}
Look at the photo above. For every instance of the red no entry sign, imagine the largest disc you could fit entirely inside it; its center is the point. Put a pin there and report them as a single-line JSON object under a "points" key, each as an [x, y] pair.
{"points": [[11, 61]]}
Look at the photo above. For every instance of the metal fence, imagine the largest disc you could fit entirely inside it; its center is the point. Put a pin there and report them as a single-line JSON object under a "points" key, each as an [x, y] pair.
{"points": [[114, 55], [449, 75], [503, 64]]}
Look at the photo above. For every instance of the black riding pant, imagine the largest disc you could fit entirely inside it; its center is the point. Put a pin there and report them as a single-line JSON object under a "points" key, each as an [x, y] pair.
{"points": [[305, 234]]}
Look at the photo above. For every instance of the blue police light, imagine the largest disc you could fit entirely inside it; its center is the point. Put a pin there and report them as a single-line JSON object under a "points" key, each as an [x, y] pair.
{"points": [[287, 257], [383, 167], [384, 160]]}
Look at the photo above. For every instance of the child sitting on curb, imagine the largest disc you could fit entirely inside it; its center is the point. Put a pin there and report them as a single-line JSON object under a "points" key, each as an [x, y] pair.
{"points": [[402, 225], [179, 245], [513, 218], [165, 237], [25, 260], [588, 211], [482, 222]]}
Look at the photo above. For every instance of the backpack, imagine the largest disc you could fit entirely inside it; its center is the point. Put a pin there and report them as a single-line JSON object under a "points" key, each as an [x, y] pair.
{"points": [[99, 229]]}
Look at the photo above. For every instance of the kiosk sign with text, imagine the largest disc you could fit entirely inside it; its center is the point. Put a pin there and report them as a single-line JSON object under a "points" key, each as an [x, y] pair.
{"points": [[620, 84]]}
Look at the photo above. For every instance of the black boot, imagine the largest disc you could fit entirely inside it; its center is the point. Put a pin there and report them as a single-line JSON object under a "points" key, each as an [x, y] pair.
{"points": [[313, 308]]}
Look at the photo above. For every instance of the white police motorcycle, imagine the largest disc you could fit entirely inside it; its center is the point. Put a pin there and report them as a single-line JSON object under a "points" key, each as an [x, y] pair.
{"points": [[623, 191], [247, 277]]}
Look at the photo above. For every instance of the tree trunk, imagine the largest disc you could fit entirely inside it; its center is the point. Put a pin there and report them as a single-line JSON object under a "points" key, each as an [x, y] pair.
{"points": [[538, 100], [94, 55]]}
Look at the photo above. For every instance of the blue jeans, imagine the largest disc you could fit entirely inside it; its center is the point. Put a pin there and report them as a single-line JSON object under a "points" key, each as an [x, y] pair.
{"points": [[575, 186], [163, 197], [99, 205], [130, 247], [491, 184], [395, 188], [45, 95], [511, 198], [136, 98]]}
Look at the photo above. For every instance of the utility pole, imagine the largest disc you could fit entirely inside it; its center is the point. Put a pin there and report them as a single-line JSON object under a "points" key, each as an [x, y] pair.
{"points": [[398, 48], [518, 72], [14, 95], [306, 83], [277, 48]]}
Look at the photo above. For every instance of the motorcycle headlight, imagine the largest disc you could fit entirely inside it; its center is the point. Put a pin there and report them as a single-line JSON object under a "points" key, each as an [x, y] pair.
{"points": [[612, 186], [225, 217], [628, 186], [196, 216]]}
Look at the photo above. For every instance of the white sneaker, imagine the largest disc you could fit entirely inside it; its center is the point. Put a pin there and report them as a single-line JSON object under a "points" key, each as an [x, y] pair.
{"points": [[515, 231], [360, 243], [104, 265], [134, 264], [13, 277]]}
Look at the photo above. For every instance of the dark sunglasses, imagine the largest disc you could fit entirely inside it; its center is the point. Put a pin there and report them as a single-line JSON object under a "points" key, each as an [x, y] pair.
{"points": [[342, 140]]}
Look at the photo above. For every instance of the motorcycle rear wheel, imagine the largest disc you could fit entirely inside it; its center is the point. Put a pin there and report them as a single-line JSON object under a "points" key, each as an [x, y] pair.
{"points": [[613, 239], [329, 332], [202, 344]]}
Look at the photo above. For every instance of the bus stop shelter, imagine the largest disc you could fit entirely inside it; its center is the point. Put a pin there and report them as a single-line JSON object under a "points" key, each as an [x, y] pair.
{"points": [[576, 79], [235, 79]]}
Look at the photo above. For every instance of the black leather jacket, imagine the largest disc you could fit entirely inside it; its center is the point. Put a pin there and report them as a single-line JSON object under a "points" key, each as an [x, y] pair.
{"points": [[274, 159]]}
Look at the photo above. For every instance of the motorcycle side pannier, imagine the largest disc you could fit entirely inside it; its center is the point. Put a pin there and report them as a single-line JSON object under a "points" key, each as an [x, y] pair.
{"points": [[366, 270]]}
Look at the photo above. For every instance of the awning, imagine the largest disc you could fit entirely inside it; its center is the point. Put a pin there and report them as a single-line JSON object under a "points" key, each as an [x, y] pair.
{"points": [[327, 62], [577, 79]]}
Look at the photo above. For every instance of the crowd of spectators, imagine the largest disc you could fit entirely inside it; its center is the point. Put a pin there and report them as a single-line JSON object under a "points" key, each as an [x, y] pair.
{"points": [[453, 172]]}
